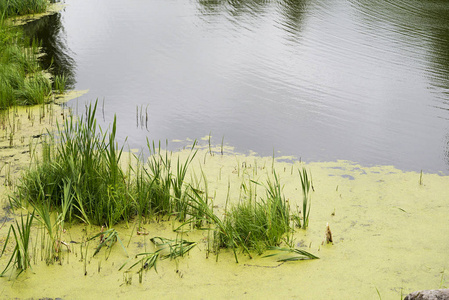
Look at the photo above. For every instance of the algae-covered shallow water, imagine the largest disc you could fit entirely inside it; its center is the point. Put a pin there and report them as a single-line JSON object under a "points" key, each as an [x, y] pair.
{"points": [[365, 82], [389, 228]]}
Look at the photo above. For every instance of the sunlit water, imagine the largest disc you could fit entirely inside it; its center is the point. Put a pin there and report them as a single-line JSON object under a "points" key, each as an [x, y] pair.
{"points": [[366, 81]]}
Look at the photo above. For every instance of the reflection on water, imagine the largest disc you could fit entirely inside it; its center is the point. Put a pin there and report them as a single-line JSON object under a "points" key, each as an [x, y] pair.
{"points": [[360, 80], [50, 33]]}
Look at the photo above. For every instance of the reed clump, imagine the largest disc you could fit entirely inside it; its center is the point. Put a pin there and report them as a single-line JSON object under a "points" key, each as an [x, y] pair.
{"points": [[20, 234], [84, 164], [261, 223], [86, 160], [11, 8], [253, 223], [22, 80], [81, 176], [60, 83]]}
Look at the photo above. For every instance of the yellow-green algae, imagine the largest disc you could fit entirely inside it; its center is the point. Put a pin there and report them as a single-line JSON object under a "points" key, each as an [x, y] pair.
{"points": [[52, 8], [390, 231]]}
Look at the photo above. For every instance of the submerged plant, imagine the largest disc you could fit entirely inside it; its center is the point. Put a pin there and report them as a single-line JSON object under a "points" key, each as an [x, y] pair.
{"points": [[176, 248], [107, 238], [301, 254], [172, 249]]}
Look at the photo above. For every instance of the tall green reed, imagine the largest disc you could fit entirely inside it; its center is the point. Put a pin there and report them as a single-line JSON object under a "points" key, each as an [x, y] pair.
{"points": [[260, 223], [59, 83], [89, 160], [21, 256], [306, 185]]}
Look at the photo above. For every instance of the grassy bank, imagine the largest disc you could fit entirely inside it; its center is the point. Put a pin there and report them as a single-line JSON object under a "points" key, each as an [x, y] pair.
{"points": [[12, 8], [22, 80]]}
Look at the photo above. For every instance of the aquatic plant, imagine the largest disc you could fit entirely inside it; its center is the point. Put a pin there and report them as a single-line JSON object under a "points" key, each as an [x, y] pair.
{"points": [[178, 181], [53, 226], [143, 190], [59, 83], [176, 248], [36, 89], [107, 238], [21, 257], [159, 179], [300, 254], [306, 185], [158, 190], [21, 77], [90, 161], [260, 224], [172, 249], [224, 235], [10, 8]]}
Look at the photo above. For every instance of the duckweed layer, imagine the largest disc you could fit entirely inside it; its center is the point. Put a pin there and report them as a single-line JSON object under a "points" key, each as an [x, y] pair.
{"points": [[389, 229]]}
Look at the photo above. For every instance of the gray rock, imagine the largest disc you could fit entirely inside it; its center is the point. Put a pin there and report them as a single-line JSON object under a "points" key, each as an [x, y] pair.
{"points": [[429, 295]]}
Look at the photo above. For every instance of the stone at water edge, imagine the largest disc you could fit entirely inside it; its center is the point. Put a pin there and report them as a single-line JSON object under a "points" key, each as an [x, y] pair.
{"points": [[429, 295]]}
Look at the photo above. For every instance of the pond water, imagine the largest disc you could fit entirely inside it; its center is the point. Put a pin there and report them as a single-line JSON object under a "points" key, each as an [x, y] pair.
{"points": [[361, 80]]}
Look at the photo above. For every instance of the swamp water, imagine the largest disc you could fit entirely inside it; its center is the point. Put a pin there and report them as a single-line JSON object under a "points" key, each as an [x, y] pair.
{"points": [[320, 80], [389, 230]]}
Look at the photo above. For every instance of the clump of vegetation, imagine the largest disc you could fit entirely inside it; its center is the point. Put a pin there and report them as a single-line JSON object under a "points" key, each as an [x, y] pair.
{"points": [[88, 161], [60, 83], [21, 78], [252, 224], [259, 224], [21, 257], [11, 8], [80, 175]]}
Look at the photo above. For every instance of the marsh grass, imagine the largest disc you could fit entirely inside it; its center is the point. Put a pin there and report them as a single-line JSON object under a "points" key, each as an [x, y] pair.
{"points": [[80, 176], [60, 83], [224, 235], [159, 179], [89, 160], [260, 223], [254, 223], [21, 78], [159, 189], [11, 8], [53, 223], [178, 185], [21, 256], [306, 185]]}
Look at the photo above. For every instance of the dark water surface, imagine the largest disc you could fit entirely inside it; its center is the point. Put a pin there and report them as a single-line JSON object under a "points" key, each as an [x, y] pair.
{"points": [[366, 81]]}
